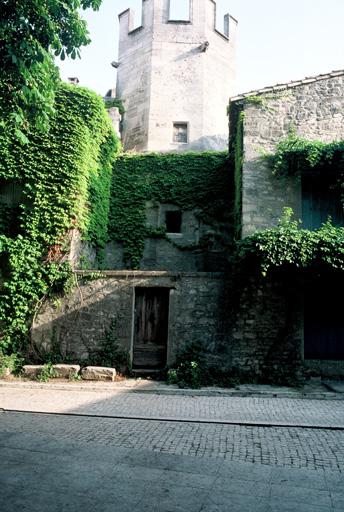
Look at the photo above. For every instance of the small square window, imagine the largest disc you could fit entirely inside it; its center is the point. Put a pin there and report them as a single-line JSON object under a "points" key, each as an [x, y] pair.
{"points": [[173, 222], [180, 132]]}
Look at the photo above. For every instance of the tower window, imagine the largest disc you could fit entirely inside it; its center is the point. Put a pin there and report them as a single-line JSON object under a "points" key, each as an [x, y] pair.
{"points": [[173, 221], [180, 132], [179, 10]]}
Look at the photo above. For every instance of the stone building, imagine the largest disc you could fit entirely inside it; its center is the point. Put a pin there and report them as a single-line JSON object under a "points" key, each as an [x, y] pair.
{"points": [[175, 76], [314, 109], [286, 321], [184, 290]]}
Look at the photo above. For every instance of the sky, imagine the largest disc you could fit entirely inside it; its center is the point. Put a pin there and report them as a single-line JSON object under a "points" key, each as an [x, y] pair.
{"points": [[278, 41]]}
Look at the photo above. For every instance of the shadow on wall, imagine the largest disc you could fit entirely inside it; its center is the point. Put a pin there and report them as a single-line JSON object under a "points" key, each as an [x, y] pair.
{"points": [[78, 324]]}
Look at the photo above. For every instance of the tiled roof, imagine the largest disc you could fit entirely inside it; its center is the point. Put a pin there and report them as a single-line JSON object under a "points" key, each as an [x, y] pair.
{"points": [[288, 85]]}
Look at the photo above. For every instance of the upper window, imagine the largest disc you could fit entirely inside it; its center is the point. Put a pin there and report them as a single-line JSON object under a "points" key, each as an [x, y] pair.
{"points": [[173, 221], [180, 132], [321, 199], [179, 10]]}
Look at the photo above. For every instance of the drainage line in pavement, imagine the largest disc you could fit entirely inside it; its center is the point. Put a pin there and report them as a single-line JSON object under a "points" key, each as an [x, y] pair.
{"points": [[180, 420]]}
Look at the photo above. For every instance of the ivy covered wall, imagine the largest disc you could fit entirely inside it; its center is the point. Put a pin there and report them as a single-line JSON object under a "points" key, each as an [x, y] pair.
{"points": [[191, 182], [64, 177]]}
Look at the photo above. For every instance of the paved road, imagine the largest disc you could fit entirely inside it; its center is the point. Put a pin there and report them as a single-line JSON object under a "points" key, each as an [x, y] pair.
{"points": [[60, 463], [315, 449], [263, 411]]}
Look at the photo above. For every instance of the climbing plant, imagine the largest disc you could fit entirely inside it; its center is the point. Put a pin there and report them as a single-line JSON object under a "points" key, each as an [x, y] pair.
{"points": [[289, 246], [295, 155], [65, 176], [237, 117], [191, 181]]}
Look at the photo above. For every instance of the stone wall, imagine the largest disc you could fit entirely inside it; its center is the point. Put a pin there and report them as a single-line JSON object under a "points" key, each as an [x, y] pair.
{"points": [[78, 322], [267, 334], [269, 328], [315, 109], [257, 330], [177, 252]]}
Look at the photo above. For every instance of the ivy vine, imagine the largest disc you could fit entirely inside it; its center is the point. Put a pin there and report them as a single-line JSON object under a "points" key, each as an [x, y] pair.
{"points": [[65, 176], [289, 246], [295, 155], [191, 181]]}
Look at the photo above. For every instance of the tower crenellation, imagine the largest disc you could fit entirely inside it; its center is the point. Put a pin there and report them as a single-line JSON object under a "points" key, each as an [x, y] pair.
{"points": [[175, 76]]}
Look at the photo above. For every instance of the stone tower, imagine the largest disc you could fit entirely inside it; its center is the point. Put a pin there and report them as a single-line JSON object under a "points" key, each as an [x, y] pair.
{"points": [[175, 76]]}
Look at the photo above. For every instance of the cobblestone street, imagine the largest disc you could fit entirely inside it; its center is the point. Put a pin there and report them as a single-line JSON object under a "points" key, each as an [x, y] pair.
{"points": [[66, 462], [262, 411], [280, 446]]}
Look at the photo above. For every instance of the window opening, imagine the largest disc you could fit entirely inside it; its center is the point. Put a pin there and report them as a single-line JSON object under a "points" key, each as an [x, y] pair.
{"points": [[180, 132], [179, 10], [173, 221]]}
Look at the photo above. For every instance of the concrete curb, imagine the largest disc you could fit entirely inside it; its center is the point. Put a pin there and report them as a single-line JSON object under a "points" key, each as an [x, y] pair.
{"points": [[171, 390]]}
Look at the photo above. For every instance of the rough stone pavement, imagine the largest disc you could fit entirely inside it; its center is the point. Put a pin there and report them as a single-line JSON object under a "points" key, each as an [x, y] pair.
{"points": [[58, 463], [64, 462], [315, 449], [251, 410]]}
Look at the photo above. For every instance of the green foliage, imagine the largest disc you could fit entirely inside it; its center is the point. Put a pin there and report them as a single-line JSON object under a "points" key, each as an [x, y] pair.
{"points": [[74, 376], [8, 216], [295, 155], [110, 354], [194, 369], [115, 102], [258, 101], [47, 372], [289, 246], [192, 181], [66, 176], [13, 362], [32, 33], [238, 161], [187, 375]]}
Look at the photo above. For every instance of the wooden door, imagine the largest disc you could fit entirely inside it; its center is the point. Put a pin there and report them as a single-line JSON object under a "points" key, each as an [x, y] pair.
{"points": [[151, 328]]}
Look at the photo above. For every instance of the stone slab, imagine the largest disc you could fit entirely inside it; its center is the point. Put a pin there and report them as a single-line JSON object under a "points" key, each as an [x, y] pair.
{"points": [[65, 370], [335, 386], [98, 373], [32, 370], [6, 372]]}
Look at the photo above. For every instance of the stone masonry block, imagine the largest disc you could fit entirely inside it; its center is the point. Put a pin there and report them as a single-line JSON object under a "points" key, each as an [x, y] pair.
{"points": [[98, 373], [64, 371], [32, 370]]}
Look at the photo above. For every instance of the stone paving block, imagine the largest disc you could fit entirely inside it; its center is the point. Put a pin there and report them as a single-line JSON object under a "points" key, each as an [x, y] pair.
{"points": [[182, 479], [65, 371], [314, 497], [220, 501], [334, 480], [338, 498], [98, 373], [278, 505], [31, 370], [299, 478], [163, 495], [246, 487]]}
